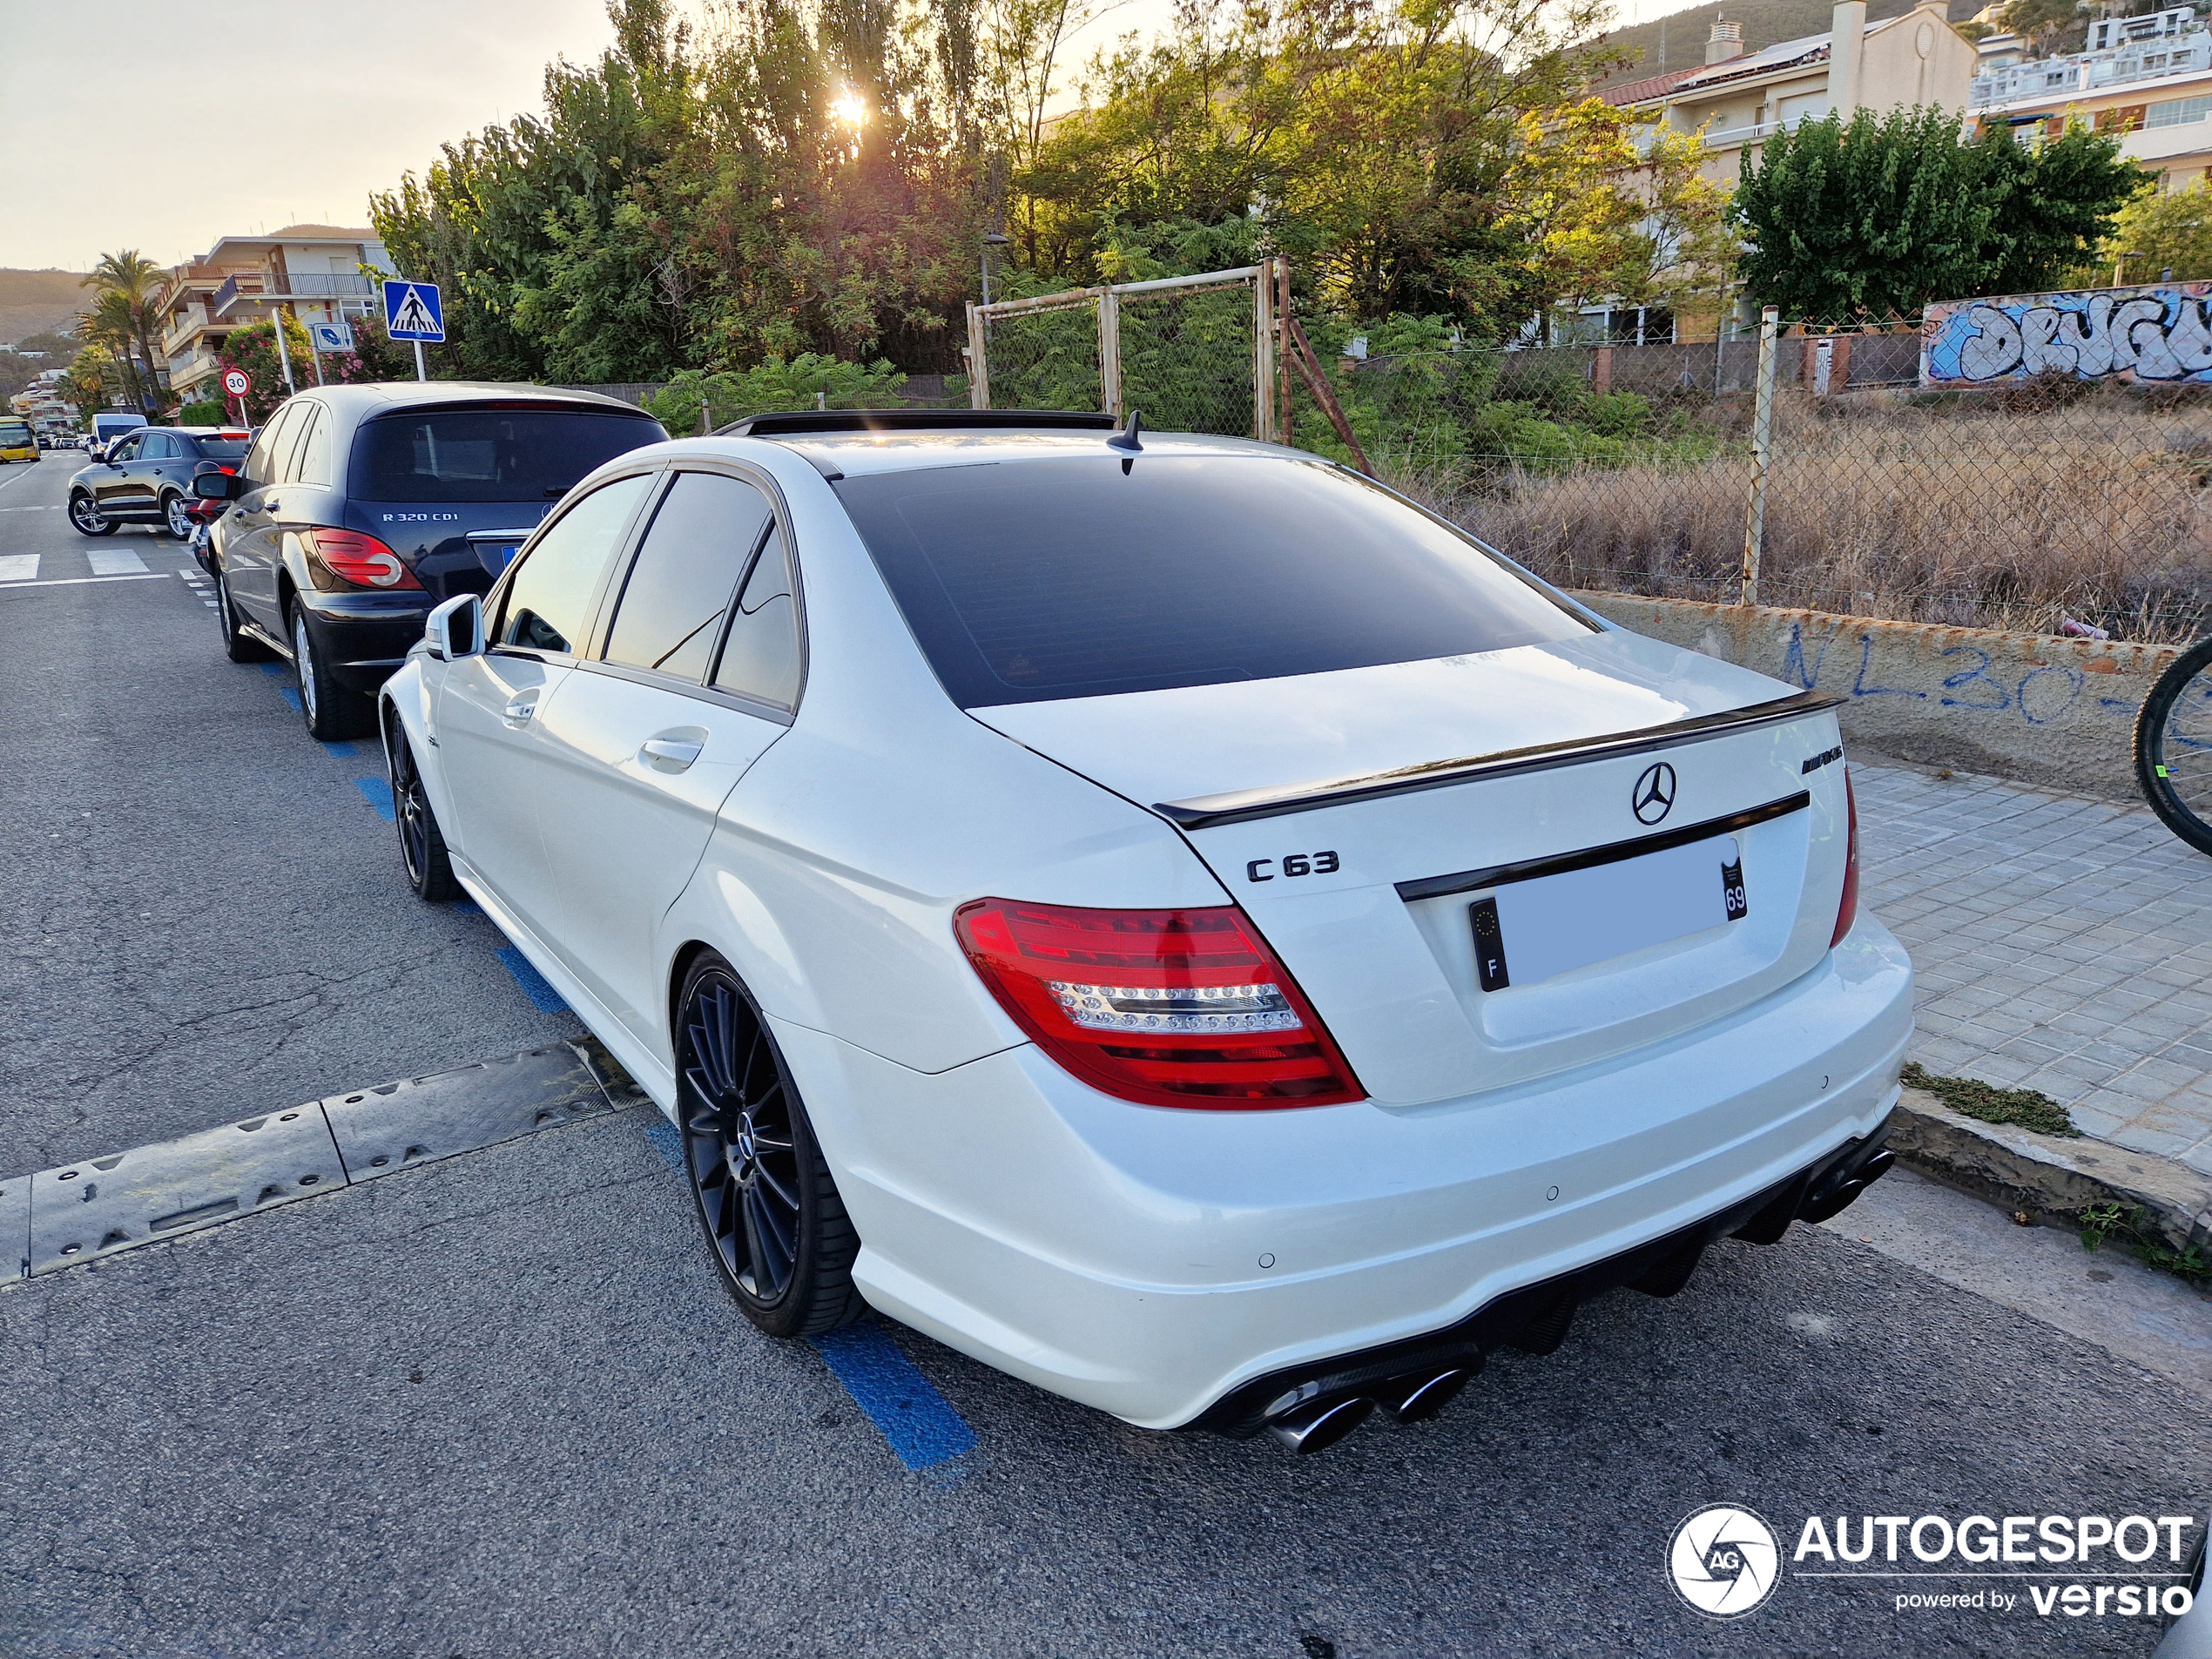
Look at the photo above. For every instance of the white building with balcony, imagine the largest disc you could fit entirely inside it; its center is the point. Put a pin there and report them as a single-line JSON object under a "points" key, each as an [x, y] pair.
{"points": [[2147, 78], [314, 273]]}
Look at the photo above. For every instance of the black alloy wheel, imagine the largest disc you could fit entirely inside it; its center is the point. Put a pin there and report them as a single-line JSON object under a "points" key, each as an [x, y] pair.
{"points": [[423, 844], [763, 1193], [84, 513], [176, 514]]}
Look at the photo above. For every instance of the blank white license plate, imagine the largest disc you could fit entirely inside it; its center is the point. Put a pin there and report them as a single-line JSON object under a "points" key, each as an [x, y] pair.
{"points": [[1528, 931]]}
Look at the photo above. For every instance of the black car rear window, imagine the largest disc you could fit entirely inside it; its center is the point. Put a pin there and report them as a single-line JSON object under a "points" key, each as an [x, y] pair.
{"points": [[488, 454], [1030, 581], [223, 448]]}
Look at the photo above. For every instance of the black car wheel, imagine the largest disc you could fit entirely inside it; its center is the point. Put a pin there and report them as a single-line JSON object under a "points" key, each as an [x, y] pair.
{"points": [[771, 1214], [176, 514], [84, 514], [423, 844], [332, 713], [239, 645]]}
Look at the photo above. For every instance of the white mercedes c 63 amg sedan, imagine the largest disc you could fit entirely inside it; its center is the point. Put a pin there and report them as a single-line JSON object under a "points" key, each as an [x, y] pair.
{"points": [[1160, 913]]}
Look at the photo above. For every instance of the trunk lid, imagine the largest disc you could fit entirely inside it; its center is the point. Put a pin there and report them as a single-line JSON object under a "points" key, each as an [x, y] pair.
{"points": [[445, 544], [1361, 817]]}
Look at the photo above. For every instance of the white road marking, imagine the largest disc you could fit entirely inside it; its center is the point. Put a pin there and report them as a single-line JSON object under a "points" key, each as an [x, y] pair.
{"points": [[119, 561], [18, 567], [81, 581]]}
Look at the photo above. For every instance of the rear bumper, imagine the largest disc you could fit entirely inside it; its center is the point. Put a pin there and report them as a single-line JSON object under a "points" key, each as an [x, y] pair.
{"points": [[365, 635], [1175, 1267]]}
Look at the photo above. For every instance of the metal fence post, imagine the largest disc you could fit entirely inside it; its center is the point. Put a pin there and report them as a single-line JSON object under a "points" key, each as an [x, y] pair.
{"points": [[1109, 352], [979, 363], [1762, 432]]}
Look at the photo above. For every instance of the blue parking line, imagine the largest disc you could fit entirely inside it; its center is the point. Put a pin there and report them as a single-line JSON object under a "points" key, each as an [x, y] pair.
{"points": [[274, 668], [380, 796], [917, 1421], [535, 985], [343, 750], [291, 696], [468, 906]]}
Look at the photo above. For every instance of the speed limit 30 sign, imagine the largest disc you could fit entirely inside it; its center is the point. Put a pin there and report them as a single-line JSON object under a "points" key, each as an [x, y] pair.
{"points": [[235, 382]]}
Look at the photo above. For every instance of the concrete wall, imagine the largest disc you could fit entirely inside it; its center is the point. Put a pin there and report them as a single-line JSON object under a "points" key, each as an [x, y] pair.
{"points": [[2045, 710]]}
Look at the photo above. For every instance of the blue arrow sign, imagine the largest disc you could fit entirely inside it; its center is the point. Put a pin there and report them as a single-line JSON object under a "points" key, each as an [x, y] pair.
{"points": [[412, 310]]}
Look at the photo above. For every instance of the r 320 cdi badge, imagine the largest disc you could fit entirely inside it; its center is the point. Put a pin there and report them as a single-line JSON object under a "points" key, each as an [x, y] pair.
{"points": [[1168, 917]]}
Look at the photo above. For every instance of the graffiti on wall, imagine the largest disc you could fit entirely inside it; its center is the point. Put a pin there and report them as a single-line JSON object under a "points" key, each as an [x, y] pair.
{"points": [[2162, 332]]}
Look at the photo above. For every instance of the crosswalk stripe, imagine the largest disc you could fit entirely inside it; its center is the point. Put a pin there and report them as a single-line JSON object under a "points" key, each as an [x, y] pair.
{"points": [[116, 562], [19, 566]]}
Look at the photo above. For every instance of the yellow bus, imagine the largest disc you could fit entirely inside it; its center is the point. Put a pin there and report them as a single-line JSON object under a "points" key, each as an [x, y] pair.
{"points": [[18, 441]]}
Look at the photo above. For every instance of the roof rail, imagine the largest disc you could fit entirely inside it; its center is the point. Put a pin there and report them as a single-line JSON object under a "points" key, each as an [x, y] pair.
{"points": [[799, 422]]}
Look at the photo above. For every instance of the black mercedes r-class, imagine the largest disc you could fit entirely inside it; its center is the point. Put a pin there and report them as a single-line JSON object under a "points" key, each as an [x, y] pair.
{"points": [[359, 507]]}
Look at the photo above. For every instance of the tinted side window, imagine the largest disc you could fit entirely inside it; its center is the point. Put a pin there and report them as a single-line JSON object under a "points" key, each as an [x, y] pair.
{"points": [[260, 461], [311, 464], [548, 603], [158, 446], [686, 571], [762, 657]]}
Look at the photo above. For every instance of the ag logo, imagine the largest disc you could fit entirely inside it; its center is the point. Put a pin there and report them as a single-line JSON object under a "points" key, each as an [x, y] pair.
{"points": [[1723, 1560], [1654, 795]]}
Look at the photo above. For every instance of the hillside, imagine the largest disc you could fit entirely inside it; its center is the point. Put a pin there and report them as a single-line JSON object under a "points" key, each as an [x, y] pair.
{"points": [[33, 302], [1765, 23]]}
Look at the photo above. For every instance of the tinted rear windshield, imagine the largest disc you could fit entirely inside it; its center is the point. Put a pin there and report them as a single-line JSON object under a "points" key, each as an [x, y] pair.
{"points": [[223, 448], [489, 455], [1030, 581]]}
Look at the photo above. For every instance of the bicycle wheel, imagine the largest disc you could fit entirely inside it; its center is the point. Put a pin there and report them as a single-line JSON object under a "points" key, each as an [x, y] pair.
{"points": [[2174, 746]]}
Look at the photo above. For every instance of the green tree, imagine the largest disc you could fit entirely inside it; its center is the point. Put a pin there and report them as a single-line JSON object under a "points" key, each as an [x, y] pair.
{"points": [[2045, 25], [2173, 230], [1875, 219], [128, 284]]}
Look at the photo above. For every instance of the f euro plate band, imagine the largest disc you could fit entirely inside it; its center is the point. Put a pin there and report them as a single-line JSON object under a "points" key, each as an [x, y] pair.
{"points": [[82, 1211]]}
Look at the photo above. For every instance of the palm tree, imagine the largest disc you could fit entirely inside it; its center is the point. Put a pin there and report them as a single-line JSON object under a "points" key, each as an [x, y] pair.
{"points": [[134, 280], [111, 325]]}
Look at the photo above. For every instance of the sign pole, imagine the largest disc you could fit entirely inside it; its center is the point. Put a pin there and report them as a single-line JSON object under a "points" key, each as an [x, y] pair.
{"points": [[419, 373]]}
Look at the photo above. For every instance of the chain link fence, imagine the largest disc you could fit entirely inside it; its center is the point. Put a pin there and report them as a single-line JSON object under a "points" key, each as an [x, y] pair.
{"points": [[2045, 505]]}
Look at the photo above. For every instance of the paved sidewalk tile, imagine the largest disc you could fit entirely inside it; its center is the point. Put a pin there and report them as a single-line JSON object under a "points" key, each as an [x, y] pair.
{"points": [[2057, 942]]}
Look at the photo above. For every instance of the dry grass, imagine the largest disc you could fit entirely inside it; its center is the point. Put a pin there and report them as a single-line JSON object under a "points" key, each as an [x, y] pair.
{"points": [[1972, 511]]}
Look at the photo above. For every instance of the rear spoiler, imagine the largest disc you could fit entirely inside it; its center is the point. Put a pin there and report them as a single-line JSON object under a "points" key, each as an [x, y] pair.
{"points": [[1204, 812]]}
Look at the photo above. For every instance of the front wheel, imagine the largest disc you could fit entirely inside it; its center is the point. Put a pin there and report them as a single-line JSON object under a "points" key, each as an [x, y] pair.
{"points": [[423, 844], [771, 1211], [84, 513], [2174, 746]]}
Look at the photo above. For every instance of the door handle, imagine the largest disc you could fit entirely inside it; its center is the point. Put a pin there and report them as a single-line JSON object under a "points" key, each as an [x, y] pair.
{"points": [[669, 754], [519, 708]]}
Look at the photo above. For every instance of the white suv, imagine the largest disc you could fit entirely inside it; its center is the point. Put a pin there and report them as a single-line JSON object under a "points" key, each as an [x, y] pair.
{"points": [[1161, 914]]}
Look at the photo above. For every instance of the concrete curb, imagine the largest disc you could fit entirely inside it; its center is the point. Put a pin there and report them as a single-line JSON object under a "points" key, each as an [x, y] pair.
{"points": [[2050, 1180]]}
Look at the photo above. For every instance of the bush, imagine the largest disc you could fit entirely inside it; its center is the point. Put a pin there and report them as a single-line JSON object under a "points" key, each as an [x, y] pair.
{"points": [[809, 380], [202, 414]]}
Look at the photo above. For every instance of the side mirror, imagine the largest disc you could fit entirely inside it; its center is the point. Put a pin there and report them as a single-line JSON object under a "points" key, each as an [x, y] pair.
{"points": [[214, 484], [456, 629]]}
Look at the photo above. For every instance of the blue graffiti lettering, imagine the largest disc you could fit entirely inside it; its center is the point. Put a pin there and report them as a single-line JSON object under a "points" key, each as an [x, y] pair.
{"points": [[2073, 677], [1860, 688], [1793, 658], [1978, 671]]}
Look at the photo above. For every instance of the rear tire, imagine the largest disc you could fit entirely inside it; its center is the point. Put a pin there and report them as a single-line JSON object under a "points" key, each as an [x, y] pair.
{"points": [[771, 1211], [176, 516], [2174, 746], [423, 844], [332, 713], [239, 645], [84, 514]]}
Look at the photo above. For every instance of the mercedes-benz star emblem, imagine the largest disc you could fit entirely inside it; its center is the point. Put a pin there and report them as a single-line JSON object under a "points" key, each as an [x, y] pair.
{"points": [[1654, 797]]}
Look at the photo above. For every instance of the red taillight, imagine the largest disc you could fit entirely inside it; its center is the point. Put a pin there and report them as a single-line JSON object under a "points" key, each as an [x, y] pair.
{"points": [[1165, 1008], [1847, 912], [351, 556]]}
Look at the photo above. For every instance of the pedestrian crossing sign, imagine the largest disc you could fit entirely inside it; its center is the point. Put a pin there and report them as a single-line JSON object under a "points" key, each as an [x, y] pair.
{"points": [[412, 310]]}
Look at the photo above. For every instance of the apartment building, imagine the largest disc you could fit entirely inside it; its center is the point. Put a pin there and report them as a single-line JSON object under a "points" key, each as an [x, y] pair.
{"points": [[314, 273], [2148, 78], [1739, 99], [43, 405]]}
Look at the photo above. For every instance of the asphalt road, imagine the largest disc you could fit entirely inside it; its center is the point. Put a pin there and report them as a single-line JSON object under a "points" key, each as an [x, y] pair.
{"points": [[499, 1406], [201, 915]]}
